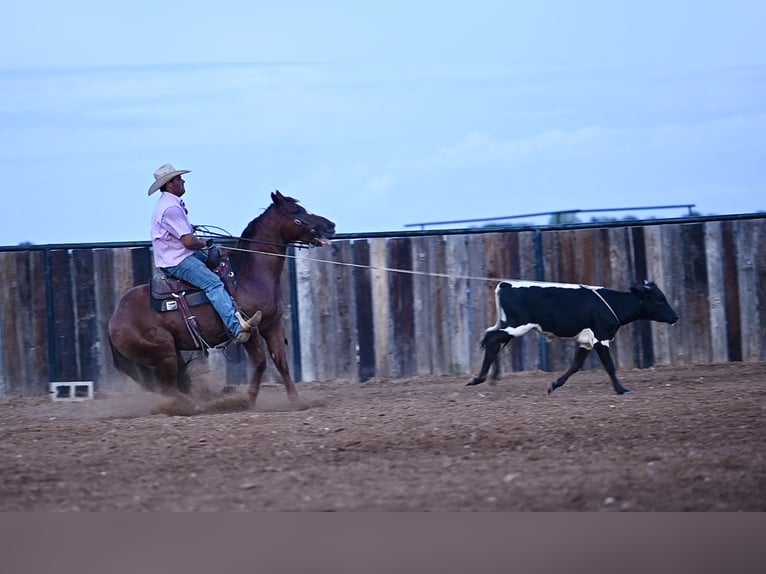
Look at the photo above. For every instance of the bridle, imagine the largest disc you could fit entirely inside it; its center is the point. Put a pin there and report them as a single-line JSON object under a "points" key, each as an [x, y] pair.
{"points": [[207, 232]]}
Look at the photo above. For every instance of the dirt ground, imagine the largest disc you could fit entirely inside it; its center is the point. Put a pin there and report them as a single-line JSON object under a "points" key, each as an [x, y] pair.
{"points": [[687, 439]]}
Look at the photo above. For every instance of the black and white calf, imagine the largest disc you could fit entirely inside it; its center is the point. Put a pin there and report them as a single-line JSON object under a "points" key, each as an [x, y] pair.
{"points": [[589, 315]]}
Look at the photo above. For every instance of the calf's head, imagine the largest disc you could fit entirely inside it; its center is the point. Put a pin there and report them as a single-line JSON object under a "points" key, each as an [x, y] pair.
{"points": [[653, 302]]}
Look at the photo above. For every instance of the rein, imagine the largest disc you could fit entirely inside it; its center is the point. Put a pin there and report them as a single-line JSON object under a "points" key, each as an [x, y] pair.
{"points": [[206, 232]]}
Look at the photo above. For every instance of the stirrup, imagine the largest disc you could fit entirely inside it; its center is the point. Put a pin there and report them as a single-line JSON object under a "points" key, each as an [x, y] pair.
{"points": [[248, 324], [243, 337]]}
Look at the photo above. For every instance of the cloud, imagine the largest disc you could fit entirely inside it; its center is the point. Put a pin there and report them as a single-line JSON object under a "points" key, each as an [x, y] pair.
{"points": [[90, 110], [598, 143]]}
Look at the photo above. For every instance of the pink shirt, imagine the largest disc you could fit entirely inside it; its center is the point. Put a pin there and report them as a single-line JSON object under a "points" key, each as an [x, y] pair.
{"points": [[169, 222]]}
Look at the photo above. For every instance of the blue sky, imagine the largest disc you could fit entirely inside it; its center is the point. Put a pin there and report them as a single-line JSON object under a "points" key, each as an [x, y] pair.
{"points": [[376, 114]]}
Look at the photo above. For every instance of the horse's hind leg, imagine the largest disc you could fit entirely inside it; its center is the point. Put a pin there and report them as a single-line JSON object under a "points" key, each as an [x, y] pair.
{"points": [[172, 381], [493, 342], [170, 372]]}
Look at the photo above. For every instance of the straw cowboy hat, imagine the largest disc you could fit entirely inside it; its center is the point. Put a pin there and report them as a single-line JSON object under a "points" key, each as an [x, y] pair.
{"points": [[164, 174]]}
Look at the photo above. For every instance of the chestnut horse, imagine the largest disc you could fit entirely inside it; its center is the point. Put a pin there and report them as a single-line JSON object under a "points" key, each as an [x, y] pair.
{"points": [[147, 344]]}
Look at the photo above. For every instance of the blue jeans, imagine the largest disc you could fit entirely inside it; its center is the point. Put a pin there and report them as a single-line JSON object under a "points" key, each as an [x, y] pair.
{"points": [[193, 270]]}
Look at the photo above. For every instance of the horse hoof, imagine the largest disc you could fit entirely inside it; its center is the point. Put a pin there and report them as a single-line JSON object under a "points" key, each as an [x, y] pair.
{"points": [[551, 388], [474, 381]]}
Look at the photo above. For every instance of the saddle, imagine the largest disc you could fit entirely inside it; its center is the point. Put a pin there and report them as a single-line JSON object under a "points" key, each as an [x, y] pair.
{"points": [[170, 294]]}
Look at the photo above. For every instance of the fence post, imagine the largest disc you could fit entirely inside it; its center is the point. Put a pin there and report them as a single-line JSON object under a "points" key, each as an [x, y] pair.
{"points": [[52, 368], [292, 278], [542, 342]]}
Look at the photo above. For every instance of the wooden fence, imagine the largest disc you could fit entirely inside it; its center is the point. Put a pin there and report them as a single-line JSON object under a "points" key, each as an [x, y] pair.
{"points": [[393, 307]]}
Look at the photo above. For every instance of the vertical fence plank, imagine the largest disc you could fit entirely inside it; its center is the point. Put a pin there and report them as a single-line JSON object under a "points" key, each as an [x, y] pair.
{"points": [[758, 229], [558, 352], [307, 287], [758, 239], [457, 267], [643, 352], [672, 259], [731, 281], [142, 265], [33, 305], [514, 259], [716, 291], [381, 309], [751, 260], [530, 270], [439, 340], [288, 314], [569, 257], [66, 366], [589, 268], [362, 277], [587, 272], [123, 280], [659, 267], [402, 313], [13, 363], [85, 308], [423, 304], [4, 387], [620, 265], [325, 314], [106, 301], [696, 285], [501, 262], [123, 270], [476, 247], [676, 339], [345, 301]]}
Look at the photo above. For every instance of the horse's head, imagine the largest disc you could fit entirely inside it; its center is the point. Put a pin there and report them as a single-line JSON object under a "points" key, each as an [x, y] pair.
{"points": [[300, 226]]}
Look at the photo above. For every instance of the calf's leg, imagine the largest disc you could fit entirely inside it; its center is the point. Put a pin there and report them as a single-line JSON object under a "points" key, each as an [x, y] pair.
{"points": [[492, 342], [579, 360], [606, 360]]}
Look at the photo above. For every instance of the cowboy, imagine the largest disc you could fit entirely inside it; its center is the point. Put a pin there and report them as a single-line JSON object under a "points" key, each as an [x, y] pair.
{"points": [[180, 254]]}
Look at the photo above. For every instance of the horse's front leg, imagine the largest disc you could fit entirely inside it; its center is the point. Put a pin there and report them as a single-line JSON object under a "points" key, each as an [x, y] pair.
{"points": [[254, 350], [277, 345]]}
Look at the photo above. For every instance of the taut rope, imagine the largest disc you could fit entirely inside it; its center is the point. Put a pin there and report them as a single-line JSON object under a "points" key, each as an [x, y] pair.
{"points": [[374, 268]]}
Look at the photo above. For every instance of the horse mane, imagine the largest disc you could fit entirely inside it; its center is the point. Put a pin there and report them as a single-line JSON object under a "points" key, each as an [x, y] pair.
{"points": [[239, 257], [251, 229]]}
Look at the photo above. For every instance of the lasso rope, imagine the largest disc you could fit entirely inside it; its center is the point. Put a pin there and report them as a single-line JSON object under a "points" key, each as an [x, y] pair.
{"points": [[206, 232], [374, 268]]}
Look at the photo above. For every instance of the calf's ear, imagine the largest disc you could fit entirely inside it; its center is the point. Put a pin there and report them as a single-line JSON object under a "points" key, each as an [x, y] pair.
{"points": [[641, 289]]}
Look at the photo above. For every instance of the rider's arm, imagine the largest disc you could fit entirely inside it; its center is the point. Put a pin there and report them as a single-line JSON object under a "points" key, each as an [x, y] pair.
{"points": [[192, 242]]}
